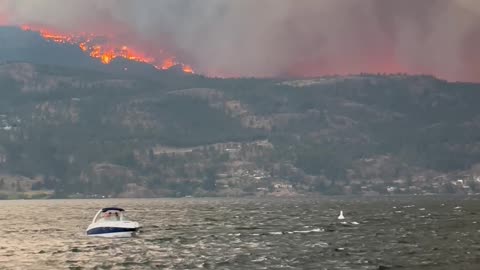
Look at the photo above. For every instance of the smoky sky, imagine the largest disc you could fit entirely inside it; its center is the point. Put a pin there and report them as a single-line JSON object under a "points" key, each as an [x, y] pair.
{"points": [[280, 37]]}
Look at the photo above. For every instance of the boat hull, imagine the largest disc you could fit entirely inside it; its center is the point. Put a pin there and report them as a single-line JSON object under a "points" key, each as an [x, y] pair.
{"points": [[113, 229], [112, 232]]}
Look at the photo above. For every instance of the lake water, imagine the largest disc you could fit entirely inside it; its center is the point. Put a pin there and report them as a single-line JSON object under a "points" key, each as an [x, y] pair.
{"points": [[299, 233]]}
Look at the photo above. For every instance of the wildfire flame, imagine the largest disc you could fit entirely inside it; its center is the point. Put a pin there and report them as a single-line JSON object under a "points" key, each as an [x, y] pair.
{"points": [[106, 53]]}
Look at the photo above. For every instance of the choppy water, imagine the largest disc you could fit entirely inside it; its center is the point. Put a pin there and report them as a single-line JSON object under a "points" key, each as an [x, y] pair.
{"points": [[401, 232]]}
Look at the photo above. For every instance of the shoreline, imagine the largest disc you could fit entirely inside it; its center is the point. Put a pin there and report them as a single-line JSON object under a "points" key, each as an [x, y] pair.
{"points": [[300, 196]]}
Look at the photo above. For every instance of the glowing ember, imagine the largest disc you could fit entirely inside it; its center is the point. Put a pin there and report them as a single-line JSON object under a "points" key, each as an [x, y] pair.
{"points": [[168, 63], [97, 48], [187, 69]]}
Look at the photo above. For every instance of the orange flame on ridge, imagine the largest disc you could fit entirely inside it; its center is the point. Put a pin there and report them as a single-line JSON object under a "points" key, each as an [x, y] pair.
{"points": [[105, 53]]}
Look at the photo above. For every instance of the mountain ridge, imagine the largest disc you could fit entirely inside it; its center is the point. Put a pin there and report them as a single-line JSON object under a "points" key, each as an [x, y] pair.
{"points": [[75, 132]]}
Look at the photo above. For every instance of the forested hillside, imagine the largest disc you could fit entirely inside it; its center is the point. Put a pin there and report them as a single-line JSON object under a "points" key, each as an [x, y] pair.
{"points": [[73, 132]]}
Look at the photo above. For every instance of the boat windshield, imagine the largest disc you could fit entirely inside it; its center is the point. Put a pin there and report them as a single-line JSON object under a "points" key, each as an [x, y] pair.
{"points": [[111, 215]]}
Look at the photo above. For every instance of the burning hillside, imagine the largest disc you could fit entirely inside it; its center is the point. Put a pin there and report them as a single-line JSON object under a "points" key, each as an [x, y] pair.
{"points": [[266, 38], [105, 49]]}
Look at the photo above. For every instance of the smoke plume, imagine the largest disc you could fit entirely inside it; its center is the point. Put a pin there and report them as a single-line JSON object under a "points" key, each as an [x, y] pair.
{"points": [[280, 37]]}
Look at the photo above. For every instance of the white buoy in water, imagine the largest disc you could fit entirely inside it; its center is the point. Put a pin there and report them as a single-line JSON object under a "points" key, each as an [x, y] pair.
{"points": [[341, 215]]}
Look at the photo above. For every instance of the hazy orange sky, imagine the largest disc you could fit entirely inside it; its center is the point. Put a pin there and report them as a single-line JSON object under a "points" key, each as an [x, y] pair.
{"points": [[280, 37]]}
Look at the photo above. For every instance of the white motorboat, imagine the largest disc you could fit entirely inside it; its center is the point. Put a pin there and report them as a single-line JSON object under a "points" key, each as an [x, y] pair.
{"points": [[111, 222]]}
